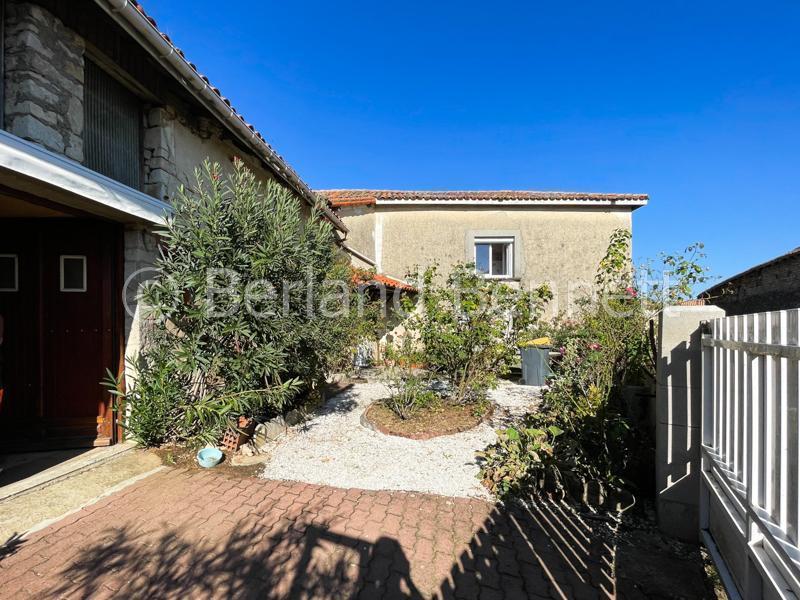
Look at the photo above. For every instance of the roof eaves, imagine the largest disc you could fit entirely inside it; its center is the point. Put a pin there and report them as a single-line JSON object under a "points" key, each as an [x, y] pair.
{"points": [[161, 47], [361, 197], [718, 286]]}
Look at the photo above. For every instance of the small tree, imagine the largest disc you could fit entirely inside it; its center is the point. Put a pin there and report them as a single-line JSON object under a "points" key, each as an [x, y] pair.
{"points": [[243, 314], [469, 326]]}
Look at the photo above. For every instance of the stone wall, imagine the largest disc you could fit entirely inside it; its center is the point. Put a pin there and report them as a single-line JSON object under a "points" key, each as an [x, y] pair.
{"points": [[141, 250], [44, 93], [44, 75], [160, 171], [772, 286]]}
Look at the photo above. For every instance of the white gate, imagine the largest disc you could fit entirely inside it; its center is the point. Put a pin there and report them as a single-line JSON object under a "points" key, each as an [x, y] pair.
{"points": [[749, 504]]}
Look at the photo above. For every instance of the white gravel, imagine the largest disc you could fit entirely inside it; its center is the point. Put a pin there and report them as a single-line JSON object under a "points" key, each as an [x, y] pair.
{"points": [[334, 448]]}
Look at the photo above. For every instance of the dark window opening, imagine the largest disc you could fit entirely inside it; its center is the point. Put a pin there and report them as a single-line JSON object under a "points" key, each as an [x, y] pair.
{"points": [[112, 128], [9, 275], [73, 273]]}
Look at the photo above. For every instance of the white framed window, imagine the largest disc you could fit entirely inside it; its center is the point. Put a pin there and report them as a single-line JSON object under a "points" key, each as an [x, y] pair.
{"points": [[9, 273], [73, 273], [494, 257]]}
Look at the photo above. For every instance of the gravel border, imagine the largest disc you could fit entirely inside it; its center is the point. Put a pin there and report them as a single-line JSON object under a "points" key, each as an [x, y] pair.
{"points": [[335, 449]]}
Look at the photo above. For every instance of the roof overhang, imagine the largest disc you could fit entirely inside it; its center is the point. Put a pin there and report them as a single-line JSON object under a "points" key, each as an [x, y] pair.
{"points": [[142, 28], [29, 168], [344, 198], [508, 202]]}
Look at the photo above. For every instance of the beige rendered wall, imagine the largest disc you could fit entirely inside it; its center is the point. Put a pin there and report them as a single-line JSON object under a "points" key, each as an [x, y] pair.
{"points": [[559, 246], [361, 224]]}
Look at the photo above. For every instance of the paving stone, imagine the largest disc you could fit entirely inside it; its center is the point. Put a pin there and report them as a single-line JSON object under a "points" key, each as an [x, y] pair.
{"points": [[260, 538]]}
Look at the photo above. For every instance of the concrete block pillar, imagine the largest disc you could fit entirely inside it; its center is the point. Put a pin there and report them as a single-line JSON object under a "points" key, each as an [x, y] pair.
{"points": [[678, 414]]}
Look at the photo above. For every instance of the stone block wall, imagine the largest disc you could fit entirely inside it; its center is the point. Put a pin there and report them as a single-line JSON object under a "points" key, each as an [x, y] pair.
{"points": [[160, 170], [772, 286], [43, 80], [141, 251]]}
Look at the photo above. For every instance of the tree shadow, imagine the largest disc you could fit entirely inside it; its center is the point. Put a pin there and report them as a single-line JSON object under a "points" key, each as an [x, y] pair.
{"points": [[255, 561], [11, 546], [538, 550], [443, 548]]}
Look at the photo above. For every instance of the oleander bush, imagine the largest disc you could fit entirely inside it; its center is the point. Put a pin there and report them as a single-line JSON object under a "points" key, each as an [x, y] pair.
{"points": [[226, 336]]}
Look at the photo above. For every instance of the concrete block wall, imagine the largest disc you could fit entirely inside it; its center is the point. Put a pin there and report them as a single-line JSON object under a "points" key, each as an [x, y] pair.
{"points": [[678, 418]]}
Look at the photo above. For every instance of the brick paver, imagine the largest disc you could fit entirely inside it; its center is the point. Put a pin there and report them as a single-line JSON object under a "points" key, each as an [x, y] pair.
{"points": [[191, 534]]}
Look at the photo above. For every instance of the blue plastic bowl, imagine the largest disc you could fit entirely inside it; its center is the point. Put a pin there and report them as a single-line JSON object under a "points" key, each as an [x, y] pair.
{"points": [[209, 457]]}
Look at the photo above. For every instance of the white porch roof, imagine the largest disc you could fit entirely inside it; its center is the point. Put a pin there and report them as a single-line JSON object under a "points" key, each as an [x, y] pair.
{"points": [[28, 167]]}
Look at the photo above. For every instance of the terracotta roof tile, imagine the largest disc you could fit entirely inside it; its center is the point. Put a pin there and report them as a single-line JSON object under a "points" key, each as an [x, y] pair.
{"points": [[362, 276], [340, 198]]}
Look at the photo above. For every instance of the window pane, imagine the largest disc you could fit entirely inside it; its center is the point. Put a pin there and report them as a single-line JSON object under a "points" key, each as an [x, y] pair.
{"points": [[499, 266], [73, 274], [482, 258], [8, 273]]}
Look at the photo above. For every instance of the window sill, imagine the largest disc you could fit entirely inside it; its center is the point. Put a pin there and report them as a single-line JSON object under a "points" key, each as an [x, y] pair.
{"points": [[501, 278]]}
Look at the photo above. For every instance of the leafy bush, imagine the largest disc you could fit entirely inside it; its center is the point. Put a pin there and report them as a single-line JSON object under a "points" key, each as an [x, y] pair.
{"points": [[409, 386], [409, 392], [518, 460], [226, 344], [153, 403], [608, 345], [468, 327]]}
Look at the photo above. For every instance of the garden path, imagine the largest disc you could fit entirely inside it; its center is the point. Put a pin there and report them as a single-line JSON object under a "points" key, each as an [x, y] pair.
{"points": [[334, 448]]}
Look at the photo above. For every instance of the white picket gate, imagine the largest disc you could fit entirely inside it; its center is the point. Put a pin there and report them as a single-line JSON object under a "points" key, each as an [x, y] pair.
{"points": [[750, 505]]}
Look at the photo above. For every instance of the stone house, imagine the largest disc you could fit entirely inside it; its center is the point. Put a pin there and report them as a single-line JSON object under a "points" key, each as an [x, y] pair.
{"points": [[525, 238], [102, 118], [772, 285]]}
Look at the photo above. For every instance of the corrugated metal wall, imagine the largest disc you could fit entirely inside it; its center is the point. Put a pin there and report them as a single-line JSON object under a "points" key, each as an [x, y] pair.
{"points": [[112, 128]]}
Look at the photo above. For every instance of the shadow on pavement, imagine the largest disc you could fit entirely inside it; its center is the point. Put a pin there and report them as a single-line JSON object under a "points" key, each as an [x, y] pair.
{"points": [[542, 551]]}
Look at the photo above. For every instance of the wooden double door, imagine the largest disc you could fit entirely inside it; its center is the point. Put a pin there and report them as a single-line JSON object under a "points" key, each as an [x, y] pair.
{"points": [[61, 326]]}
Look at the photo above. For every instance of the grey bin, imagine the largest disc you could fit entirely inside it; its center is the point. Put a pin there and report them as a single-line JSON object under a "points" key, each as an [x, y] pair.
{"points": [[535, 365]]}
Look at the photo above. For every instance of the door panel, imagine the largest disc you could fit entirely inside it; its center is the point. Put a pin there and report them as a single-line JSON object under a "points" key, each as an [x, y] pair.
{"points": [[19, 364], [73, 327]]}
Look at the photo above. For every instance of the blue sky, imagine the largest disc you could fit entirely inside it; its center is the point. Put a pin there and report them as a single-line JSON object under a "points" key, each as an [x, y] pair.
{"points": [[695, 103]]}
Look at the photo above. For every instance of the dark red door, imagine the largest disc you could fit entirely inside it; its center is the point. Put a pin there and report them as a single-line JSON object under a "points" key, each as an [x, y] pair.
{"points": [[60, 331]]}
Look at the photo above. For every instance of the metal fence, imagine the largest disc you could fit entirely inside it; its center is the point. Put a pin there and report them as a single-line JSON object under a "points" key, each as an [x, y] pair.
{"points": [[750, 436]]}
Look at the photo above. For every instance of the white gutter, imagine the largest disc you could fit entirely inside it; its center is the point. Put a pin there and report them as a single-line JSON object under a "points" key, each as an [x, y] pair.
{"points": [[135, 23], [358, 254], [80, 187], [509, 202]]}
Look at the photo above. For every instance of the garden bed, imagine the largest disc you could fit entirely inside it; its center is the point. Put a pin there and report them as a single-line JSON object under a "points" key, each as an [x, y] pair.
{"points": [[426, 423]]}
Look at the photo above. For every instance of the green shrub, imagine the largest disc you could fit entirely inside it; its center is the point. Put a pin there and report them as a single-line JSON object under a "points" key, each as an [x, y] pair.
{"points": [[409, 385], [149, 410], [468, 327], [409, 392], [210, 357], [609, 344], [519, 459]]}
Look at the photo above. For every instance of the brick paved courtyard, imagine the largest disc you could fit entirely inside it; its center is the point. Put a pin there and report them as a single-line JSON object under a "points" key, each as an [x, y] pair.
{"points": [[190, 534]]}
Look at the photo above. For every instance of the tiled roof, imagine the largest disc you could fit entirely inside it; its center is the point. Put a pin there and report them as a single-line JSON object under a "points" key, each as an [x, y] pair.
{"points": [[342, 198], [268, 153], [362, 276], [718, 287]]}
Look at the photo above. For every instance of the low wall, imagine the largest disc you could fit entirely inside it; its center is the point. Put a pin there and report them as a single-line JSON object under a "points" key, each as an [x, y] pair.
{"points": [[678, 418]]}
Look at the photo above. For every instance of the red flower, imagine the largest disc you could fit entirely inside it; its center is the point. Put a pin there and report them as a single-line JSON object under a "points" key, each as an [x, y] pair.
{"points": [[630, 291]]}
